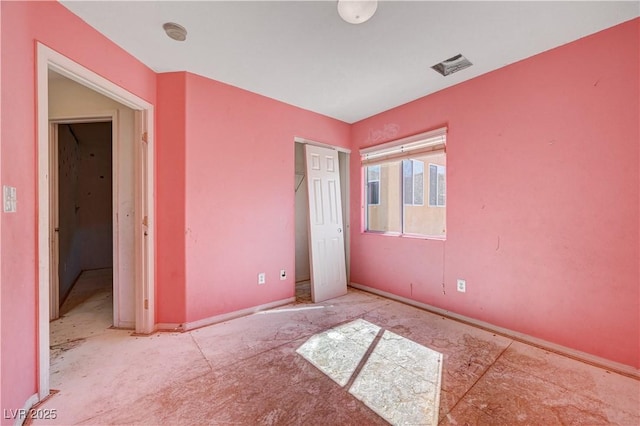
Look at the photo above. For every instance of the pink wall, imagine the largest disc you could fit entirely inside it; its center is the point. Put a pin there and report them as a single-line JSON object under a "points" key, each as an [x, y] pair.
{"points": [[240, 196], [24, 23], [543, 199], [526, 164], [170, 198]]}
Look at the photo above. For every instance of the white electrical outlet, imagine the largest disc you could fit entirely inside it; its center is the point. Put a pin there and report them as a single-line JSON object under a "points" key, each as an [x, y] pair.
{"points": [[283, 275], [462, 286], [262, 278]]}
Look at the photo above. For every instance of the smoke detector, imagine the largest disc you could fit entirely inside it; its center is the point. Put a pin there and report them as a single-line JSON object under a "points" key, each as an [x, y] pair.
{"points": [[452, 65], [175, 31]]}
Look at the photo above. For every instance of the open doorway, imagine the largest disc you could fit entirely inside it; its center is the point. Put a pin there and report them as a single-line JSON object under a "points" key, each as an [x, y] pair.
{"points": [[303, 270], [93, 205], [82, 216], [132, 212]]}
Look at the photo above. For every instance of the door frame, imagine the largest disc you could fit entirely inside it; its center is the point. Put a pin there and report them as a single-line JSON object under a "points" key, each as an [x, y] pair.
{"points": [[49, 59], [345, 187], [54, 273]]}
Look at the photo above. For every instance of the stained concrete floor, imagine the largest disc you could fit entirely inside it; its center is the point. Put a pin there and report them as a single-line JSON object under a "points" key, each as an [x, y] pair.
{"points": [[251, 371]]}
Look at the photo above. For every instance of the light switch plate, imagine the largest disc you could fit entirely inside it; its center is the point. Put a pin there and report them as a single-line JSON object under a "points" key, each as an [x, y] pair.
{"points": [[9, 199]]}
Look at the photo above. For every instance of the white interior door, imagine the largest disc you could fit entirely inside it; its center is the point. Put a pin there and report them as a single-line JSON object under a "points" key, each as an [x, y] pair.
{"points": [[326, 236]]}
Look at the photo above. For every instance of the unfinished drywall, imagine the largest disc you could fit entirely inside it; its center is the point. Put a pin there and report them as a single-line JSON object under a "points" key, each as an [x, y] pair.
{"points": [[94, 207], [542, 199], [85, 209], [70, 264], [302, 216]]}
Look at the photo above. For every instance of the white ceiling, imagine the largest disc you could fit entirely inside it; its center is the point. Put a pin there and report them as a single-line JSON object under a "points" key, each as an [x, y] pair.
{"points": [[302, 53]]}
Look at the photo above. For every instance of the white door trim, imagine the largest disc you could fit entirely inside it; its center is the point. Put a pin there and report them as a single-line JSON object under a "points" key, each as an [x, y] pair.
{"points": [[324, 145], [145, 308], [345, 183]]}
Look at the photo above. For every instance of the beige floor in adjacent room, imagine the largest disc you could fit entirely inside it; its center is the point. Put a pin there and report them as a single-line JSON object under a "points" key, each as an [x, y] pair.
{"points": [[86, 312], [357, 359]]}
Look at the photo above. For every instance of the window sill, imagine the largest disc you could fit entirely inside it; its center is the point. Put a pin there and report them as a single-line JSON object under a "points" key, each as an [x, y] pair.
{"points": [[409, 236]]}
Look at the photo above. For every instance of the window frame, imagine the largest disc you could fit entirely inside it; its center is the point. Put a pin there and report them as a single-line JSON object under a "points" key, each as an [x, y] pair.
{"points": [[409, 148]]}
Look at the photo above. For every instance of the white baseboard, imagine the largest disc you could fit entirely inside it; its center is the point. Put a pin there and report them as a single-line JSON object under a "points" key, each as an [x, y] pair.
{"points": [[235, 314], [168, 326], [127, 325], [617, 367], [29, 403]]}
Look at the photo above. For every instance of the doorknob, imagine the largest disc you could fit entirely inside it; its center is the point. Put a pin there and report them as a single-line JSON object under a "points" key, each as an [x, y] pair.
{"points": [[339, 229]]}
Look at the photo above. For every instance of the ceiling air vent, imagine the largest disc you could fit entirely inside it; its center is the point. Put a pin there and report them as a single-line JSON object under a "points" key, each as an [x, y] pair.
{"points": [[452, 65]]}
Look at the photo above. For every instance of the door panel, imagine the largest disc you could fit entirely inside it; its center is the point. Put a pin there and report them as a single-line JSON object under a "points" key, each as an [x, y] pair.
{"points": [[318, 213], [326, 237]]}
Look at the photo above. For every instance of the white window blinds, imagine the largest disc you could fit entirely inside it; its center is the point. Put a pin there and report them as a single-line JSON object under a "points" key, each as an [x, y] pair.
{"points": [[429, 142]]}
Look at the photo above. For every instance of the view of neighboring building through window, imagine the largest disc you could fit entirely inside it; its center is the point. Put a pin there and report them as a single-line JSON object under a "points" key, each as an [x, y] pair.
{"points": [[373, 185], [413, 182], [437, 185], [405, 193]]}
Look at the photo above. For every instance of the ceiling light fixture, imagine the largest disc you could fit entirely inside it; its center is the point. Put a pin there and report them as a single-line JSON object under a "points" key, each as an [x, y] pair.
{"points": [[357, 11], [175, 31]]}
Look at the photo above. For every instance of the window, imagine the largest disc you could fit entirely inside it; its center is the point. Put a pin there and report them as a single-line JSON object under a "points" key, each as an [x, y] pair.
{"points": [[399, 175], [437, 185], [373, 185]]}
